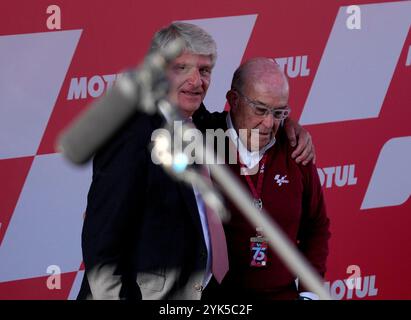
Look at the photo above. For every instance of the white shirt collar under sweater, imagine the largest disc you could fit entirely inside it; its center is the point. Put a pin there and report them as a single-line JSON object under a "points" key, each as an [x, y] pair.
{"points": [[249, 158]]}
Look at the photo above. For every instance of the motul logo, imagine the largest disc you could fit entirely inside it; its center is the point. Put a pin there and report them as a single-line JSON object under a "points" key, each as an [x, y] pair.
{"points": [[82, 88], [338, 176], [340, 289], [294, 66]]}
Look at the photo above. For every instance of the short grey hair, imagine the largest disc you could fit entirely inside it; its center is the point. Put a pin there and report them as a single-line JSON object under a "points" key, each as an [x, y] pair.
{"points": [[196, 40]]}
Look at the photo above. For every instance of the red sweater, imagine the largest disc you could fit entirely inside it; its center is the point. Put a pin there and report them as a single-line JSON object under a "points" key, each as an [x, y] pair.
{"points": [[297, 206]]}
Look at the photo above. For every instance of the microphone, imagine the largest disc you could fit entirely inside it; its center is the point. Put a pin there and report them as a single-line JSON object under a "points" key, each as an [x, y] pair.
{"points": [[138, 90]]}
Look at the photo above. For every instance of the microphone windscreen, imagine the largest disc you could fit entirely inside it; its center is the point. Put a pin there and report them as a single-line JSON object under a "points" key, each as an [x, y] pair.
{"points": [[98, 124]]}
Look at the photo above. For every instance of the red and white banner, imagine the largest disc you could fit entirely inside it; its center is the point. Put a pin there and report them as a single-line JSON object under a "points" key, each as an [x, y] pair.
{"points": [[349, 67]]}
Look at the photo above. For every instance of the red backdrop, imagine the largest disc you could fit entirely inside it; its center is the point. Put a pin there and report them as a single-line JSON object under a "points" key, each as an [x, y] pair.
{"points": [[350, 86]]}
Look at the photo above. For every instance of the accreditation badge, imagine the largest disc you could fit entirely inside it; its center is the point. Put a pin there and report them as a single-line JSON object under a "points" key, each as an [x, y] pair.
{"points": [[258, 252]]}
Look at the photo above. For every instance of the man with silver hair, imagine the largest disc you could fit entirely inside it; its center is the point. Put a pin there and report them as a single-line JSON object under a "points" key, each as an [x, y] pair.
{"points": [[145, 235]]}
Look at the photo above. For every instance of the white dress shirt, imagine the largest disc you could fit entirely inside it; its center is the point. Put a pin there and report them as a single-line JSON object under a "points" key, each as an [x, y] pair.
{"points": [[249, 158]]}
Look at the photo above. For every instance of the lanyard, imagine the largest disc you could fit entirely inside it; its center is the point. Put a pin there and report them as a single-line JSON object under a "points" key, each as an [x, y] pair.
{"points": [[256, 191]]}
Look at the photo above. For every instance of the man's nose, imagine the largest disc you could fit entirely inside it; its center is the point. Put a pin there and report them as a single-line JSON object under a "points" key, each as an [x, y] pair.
{"points": [[194, 77], [269, 120]]}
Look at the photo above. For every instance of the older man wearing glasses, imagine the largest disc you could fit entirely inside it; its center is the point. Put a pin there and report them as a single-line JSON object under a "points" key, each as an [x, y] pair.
{"points": [[290, 192]]}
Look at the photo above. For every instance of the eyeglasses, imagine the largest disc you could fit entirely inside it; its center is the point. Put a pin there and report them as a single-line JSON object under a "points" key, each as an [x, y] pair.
{"points": [[262, 110]]}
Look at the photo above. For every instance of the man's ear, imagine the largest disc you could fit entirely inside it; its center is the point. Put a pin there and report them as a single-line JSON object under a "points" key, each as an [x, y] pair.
{"points": [[232, 98]]}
